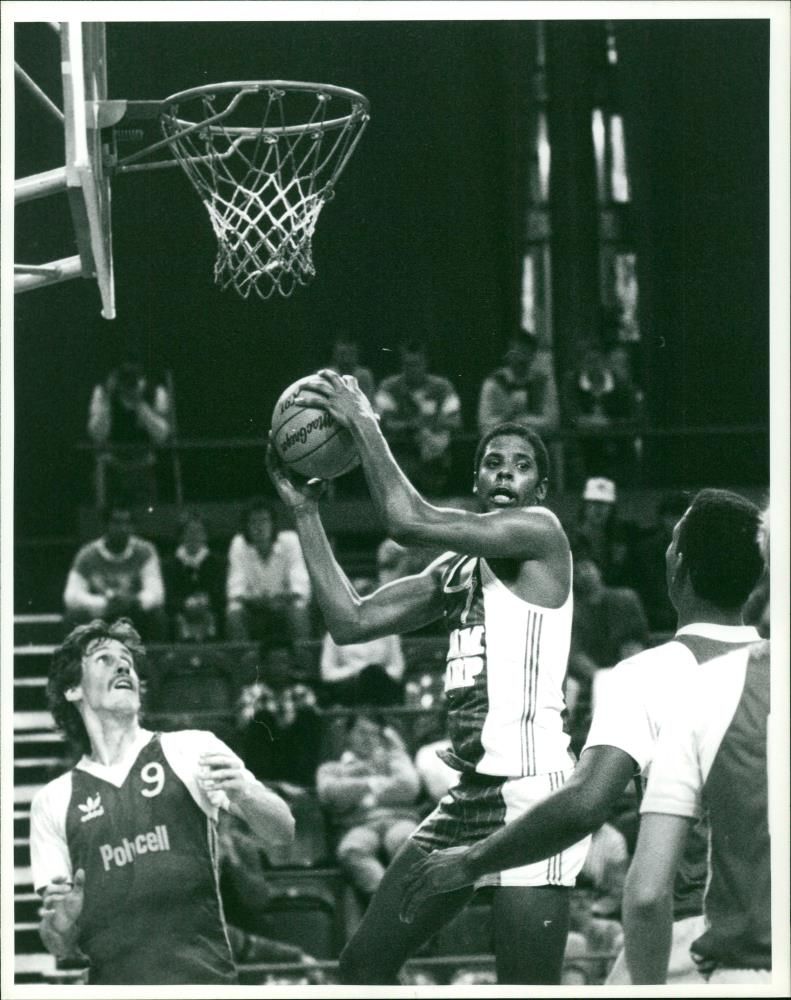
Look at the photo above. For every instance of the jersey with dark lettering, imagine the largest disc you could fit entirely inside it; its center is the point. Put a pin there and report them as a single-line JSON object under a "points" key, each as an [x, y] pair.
{"points": [[152, 912], [506, 664]]}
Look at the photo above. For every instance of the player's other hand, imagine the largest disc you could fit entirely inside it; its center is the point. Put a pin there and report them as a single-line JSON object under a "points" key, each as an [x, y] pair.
{"points": [[339, 395], [440, 871], [62, 901], [294, 491]]}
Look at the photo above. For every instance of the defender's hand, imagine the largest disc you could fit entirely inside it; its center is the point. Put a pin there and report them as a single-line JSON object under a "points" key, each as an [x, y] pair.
{"points": [[293, 491], [62, 902], [339, 395], [440, 871]]}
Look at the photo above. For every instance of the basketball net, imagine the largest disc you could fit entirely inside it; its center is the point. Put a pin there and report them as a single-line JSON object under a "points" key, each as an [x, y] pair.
{"points": [[264, 182]]}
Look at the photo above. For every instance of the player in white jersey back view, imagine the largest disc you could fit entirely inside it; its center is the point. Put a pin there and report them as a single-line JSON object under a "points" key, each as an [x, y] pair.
{"points": [[504, 591]]}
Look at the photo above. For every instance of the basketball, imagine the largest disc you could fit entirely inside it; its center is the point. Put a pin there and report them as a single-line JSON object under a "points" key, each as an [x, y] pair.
{"points": [[309, 440]]}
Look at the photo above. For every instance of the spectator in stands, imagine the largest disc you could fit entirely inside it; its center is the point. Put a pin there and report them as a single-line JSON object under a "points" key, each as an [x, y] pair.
{"points": [[117, 575], [436, 777], [649, 575], [594, 401], [590, 935], [419, 414], [370, 794], [129, 418], [362, 673], [247, 897], [346, 361], [609, 625], [518, 390], [611, 540], [279, 730], [394, 561], [267, 588], [194, 584]]}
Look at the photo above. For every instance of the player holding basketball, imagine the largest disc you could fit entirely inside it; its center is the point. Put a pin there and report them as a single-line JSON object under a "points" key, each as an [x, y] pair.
{"points": [[712, 564], [123, 846], [504, 590]]}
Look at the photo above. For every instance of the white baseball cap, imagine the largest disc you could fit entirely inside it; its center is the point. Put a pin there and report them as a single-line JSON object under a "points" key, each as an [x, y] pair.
{"points": [[600, 489]]}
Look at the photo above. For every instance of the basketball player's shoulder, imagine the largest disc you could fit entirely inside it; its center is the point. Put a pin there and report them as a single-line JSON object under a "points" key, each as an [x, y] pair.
{"points": [[653, 660], [54, 796], [546, 521], [190, 742]]}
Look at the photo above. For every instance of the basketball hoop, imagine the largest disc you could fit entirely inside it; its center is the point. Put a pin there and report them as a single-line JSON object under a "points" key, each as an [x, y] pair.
{"points": [[264, 157]]}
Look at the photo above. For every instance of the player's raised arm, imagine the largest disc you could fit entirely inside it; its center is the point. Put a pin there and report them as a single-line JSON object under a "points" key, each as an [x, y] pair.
{"points": [[509, 482], [403, 604]]}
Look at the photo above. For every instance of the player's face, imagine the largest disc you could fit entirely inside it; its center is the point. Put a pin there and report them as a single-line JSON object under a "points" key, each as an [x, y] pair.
{"points": [[109, 679], [508, 475]]}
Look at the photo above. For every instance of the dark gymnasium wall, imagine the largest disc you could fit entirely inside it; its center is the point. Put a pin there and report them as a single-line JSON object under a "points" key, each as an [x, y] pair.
{"points": [[424, 235]]}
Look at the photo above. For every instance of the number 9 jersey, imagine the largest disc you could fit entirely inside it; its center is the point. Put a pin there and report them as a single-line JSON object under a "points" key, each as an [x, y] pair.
{"points": [[145, 834]]}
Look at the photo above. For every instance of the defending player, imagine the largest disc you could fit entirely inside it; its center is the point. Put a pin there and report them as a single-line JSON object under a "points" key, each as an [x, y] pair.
{"points": [[505, 593], [713, 562], [711, 756], [123, 846]]}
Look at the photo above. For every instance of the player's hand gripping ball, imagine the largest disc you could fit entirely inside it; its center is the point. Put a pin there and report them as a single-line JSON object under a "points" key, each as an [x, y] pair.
{"points": [[309, 440]]}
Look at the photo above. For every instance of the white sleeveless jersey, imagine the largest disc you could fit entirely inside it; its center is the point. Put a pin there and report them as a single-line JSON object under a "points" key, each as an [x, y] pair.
{"points": [[506, 665]]}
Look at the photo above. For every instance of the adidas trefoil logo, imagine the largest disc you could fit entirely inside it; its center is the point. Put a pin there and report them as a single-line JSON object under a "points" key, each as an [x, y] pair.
{"points": [[91, 808]]}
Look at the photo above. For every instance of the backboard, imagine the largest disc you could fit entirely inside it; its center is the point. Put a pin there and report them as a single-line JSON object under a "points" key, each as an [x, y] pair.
{"points": [[83, 176], [84, 68]]}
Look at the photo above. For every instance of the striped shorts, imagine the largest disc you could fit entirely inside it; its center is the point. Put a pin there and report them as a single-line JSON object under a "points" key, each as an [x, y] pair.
{"points": [[482, 803]]}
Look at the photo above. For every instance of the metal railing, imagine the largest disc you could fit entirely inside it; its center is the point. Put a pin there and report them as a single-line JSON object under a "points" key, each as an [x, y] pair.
{"points": [[651, 450]]}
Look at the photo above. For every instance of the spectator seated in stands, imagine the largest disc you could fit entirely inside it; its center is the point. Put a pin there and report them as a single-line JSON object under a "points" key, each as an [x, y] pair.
{"points": [[278, 724], [650, 573], [194, 584], [519, 390], [436, 777], [370, 793], [589, 934], [268, 588], [129, 418], [346, 361], [419, 414], [117, 575], [362, 673], [612, 541], [594, 399], [246, 896], [609, 625]]}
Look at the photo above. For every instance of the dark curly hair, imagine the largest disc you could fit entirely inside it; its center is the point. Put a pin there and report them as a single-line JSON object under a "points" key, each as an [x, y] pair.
{"points": [[532, 437], [65, 671], [718, 540]]}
